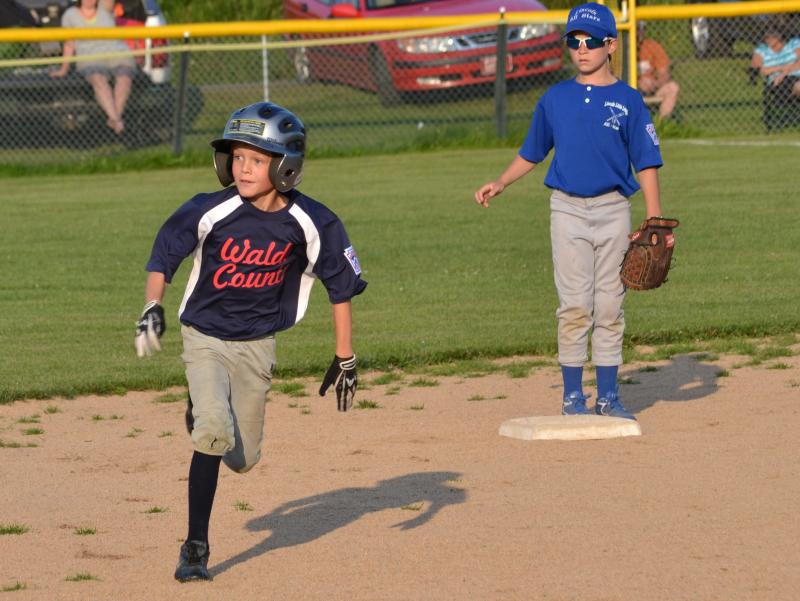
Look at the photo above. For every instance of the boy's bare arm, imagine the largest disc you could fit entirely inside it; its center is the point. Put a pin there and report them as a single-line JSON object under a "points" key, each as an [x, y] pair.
{"points": [[343, 327], [513, 172], [648, 179], [69, 51], [155, 287]]}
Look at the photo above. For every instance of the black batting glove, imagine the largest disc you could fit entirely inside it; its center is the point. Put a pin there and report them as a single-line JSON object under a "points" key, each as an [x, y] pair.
{"points": [[149, 329], [342, 375]]}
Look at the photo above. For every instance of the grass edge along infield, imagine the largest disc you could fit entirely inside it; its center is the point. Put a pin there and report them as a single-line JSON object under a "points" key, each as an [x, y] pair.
{"points": [[447, 279]]}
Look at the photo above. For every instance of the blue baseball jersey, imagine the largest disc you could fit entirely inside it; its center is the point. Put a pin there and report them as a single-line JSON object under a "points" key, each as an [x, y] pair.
{"points": [[252, 271], [598, 133]]}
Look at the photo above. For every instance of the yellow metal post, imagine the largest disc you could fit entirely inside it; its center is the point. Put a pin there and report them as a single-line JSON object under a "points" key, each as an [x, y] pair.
{"points": [[617, 58], [623, 22], [633, 48]]}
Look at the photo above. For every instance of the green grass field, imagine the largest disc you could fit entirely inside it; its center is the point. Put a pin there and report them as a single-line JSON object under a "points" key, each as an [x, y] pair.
{"points": [[447, 279]]}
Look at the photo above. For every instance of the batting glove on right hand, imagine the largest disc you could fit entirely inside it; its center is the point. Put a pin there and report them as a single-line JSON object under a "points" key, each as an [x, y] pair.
{"points": [[341, 374], [149, 329]]}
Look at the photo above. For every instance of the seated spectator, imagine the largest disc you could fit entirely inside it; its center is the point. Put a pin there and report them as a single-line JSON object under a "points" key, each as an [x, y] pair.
{"points": [[654, 76], [779, 60], [112, 100]]}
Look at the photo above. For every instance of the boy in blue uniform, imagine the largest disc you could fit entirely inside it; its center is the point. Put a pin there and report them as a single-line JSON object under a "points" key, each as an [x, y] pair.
{"points": [[599, 127], [256, 248]]}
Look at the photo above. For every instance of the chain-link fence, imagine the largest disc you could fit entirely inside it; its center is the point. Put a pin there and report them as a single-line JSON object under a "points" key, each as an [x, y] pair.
{"points": [[392, 91], [711, 61]]}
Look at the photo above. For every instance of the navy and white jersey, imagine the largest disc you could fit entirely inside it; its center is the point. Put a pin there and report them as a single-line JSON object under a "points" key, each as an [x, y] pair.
{"points": [[252, 271], [598, 132]]}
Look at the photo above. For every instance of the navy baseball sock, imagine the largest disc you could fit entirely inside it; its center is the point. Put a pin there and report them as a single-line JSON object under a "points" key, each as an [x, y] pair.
{"points": [[203, 475], [606, 380], [573, 379]]}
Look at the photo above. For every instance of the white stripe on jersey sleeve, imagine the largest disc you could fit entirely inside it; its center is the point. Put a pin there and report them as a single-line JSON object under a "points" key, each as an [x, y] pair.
{"points": [[312, 253], [205, 225]]}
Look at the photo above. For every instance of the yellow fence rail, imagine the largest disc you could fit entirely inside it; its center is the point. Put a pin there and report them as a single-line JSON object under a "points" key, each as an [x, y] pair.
{"points": [[337, 26]]}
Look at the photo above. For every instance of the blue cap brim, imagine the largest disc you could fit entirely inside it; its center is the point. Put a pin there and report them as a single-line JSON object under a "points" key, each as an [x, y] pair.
{"points": [[595, 32]]}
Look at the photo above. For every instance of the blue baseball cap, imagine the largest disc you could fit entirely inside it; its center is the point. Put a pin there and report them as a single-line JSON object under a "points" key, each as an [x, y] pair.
{"points": [[595, 19]]}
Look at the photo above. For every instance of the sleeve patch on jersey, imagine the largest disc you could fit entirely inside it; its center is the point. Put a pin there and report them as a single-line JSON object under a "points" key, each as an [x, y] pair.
{"points": [[651, 130], [352, 257]]}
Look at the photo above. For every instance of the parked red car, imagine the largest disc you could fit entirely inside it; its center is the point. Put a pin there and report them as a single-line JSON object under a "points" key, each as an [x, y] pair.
{"points": [[440, 61]]}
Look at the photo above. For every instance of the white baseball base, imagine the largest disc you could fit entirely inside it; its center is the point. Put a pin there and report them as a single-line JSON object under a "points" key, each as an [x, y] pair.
{"points": [[569, 427]]}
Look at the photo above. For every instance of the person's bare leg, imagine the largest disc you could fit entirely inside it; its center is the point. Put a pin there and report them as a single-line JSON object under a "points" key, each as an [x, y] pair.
{"points": [[668, 93], [105, 99], [122, 91]]}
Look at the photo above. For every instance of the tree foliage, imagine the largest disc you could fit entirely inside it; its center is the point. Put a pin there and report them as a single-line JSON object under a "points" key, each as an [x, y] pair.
{"points": [[203, 11]]}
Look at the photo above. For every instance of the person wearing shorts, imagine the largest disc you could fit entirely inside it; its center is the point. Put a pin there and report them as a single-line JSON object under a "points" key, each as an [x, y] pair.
{"points": [[112, 99]]}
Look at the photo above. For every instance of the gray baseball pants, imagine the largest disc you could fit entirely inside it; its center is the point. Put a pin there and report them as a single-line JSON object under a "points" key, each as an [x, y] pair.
{"points": [[589, 238], [228, 382]]}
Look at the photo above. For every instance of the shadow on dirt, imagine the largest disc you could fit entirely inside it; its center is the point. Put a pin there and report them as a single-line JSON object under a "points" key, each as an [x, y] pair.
{"points": [[298, 522], [685, 378]]}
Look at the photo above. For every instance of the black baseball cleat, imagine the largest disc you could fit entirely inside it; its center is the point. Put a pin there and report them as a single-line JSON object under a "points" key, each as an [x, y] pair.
{"points": [[193, 562]]}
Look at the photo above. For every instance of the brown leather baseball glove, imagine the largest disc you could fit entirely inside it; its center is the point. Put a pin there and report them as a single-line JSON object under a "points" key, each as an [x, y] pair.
{"points": [[649, 255]]}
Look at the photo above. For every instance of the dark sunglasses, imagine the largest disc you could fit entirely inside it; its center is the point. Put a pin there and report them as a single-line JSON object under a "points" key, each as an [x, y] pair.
{"points": [[591, 43]]}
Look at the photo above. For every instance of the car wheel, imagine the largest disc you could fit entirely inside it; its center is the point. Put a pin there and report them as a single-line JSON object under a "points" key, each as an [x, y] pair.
{"points": [[709, 38], [149, 118], [302, 65], [137, 132], [701, 36], [387, 93], [78, 128]]}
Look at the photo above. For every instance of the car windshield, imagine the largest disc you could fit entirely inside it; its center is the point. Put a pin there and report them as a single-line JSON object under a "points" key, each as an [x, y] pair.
{"points": [[378, 4]]}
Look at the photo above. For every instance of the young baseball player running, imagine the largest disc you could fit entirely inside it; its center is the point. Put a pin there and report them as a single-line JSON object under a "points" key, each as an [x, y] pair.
{"points": [[256, 248], [599, 127]]}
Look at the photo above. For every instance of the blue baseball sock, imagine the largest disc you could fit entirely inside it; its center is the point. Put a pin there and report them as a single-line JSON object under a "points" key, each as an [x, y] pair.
{"points": [[606, 380], [573, 379]]}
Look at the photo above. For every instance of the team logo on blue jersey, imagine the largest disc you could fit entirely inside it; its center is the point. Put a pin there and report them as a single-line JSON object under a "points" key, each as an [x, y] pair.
{"points": [[618, 111], [651, 131], [352, 258]]}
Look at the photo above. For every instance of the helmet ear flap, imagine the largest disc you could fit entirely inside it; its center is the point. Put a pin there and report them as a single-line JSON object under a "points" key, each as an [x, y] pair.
{"points": [[285, 172], [223, 165]]}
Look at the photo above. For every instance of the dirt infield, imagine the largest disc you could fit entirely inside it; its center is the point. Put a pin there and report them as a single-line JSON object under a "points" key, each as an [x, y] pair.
{"points": [[421, 498]]}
